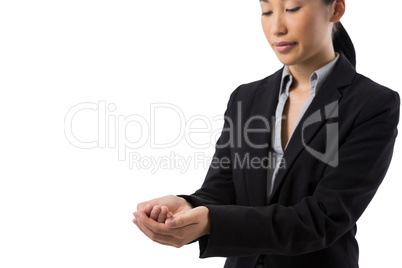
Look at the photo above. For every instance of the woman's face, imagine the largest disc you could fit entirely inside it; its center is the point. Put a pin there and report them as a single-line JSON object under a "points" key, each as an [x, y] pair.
{"points": [[299, 31]]}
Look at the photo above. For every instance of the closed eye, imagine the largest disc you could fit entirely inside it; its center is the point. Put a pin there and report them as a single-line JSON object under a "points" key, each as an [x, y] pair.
{"points": [[267, 13], [293, 9]]}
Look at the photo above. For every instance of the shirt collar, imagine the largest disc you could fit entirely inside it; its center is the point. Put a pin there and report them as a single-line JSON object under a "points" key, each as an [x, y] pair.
{"points": [[316, 79]]}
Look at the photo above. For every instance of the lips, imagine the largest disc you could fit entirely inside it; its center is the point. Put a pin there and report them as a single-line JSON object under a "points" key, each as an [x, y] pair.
{"points": [[284, 43], [284, 46]]}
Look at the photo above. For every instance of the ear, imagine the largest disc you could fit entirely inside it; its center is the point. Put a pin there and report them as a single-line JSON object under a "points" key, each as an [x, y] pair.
{"points": [[337, 10]]}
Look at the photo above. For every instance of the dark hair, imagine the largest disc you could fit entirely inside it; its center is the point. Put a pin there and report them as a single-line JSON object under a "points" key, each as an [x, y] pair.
{"points": [[341, 40]]}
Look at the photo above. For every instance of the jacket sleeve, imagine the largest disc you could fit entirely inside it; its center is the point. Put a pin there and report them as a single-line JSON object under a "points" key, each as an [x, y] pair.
{"points": [[317, 221]]}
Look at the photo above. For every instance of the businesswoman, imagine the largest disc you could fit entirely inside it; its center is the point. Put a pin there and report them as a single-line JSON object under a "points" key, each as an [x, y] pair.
{"points": [[301, 154]]}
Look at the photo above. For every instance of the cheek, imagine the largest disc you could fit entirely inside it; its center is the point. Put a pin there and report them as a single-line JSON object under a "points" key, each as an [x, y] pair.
{"points": [[266, 29], [265, 26], [318, 25], [308, 29]]}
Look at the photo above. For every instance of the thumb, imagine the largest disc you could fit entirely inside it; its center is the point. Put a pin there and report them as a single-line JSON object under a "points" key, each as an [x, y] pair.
{"points": [[190, 217]]}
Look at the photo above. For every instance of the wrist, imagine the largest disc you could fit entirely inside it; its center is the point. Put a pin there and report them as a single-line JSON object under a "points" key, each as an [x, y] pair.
{"points": [[189, 200], [185, 202]]}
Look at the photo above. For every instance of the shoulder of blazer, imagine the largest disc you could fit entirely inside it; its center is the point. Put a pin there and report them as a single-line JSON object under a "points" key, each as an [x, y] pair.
{"points": [[248, 91], [352, 84], [348, 81], [367, 88]]}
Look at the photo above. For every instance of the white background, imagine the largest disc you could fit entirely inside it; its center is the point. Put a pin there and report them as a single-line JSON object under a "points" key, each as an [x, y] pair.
{"points": [[62, 206]]}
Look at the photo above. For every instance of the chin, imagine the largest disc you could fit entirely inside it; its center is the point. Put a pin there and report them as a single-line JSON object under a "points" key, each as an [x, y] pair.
{"points": [[289, 58], [286, 59]]}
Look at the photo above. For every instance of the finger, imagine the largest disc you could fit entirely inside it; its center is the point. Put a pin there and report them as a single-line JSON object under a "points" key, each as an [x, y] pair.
{"points": [[154, 226], [135, 220], [163, 215], [179, 222], [155, 213], [156, 237], [152, 202], [148, 209], [143, 205], [188, 218]]}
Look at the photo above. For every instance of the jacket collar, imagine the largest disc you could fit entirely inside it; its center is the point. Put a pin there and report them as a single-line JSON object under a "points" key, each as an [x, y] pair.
{"points": [[265, 103]]}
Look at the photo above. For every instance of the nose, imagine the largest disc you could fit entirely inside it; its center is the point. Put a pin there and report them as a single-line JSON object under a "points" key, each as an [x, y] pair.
{"points": [[278, 26]]}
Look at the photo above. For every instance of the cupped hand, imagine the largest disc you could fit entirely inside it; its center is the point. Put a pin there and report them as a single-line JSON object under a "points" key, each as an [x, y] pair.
{"points": [[177, 231], [163, 208]]}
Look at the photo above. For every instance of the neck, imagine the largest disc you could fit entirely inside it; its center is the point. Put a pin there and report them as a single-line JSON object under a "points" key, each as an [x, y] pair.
{"points": [[301, 72]]}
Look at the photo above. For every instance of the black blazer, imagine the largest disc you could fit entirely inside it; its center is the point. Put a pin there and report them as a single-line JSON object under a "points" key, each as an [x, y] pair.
{"points": [[310, 218]]}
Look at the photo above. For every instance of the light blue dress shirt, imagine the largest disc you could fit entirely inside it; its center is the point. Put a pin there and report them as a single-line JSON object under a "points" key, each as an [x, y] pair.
{"points": [[316, 80]]}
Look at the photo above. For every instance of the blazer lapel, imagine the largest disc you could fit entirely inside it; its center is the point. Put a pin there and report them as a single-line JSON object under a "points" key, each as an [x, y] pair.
{"points": [[327, 97]]}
